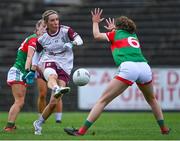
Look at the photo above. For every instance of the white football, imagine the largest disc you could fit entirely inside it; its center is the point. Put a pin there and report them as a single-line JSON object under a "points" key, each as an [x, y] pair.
{"points": [[81, 77]]}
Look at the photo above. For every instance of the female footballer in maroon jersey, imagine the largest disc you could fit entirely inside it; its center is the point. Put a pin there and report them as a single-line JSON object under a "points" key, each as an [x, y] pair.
{"points": [[56, 61]]}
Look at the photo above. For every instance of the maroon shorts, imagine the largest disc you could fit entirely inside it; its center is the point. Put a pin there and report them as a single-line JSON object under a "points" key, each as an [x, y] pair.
{"points": [[62, 75]]}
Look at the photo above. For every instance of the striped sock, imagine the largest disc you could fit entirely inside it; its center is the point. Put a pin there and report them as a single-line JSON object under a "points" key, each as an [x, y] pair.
{"points": [[10, 124], [160, 123], [85, 127]]}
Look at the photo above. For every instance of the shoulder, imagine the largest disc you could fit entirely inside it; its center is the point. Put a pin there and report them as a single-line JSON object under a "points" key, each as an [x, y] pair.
{"points": [[110, 35], [32, 36], [31, 39], [66, 28], [42, 37]]}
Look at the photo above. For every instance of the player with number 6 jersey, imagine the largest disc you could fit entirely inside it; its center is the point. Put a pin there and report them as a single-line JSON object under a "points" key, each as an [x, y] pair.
{"points": [[125, 47], [132, 68]]}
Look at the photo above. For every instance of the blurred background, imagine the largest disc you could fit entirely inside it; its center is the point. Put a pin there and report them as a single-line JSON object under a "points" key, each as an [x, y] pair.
{"points": [[158, 29]]}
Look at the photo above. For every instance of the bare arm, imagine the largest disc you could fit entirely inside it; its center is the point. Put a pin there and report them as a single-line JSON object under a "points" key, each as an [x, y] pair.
{"points": [[29, 58], [35, 60], [110, 24], [96, 19]]}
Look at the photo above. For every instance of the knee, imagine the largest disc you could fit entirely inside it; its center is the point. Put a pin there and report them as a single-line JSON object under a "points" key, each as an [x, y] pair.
{"points": [[52, 104], [151, 99], [101, 100], [42, 95], [49, 73], [104, 100], [19, 103]]}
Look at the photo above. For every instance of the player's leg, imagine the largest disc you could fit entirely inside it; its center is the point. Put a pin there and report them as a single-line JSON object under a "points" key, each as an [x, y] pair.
{"points": [[51, 76], [114, 88], [42, 91], [126, 75], [49, 109], [52, 103], [144, 83], [18, 91], [58, 111], [63, 81], [148, 93]]}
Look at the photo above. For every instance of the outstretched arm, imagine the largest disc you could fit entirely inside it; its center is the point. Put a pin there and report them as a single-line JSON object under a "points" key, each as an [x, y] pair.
{"points": [[110, 24], [96, 19]]}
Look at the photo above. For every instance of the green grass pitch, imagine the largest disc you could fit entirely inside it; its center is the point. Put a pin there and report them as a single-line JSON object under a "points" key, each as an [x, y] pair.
{"points": [[110, 126]]}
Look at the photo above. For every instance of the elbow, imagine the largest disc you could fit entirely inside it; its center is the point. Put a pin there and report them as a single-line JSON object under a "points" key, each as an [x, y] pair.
{"points": [[81, 42], [78, 41], [97, 37]]}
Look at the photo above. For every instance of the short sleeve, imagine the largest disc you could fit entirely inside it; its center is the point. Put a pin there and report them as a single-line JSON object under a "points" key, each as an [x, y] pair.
{"points": [[39, 47], [32, 43], [71, 34], [110, 36]]}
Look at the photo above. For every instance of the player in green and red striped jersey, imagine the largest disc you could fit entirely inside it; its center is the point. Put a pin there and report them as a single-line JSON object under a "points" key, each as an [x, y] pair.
{"points": [[132, 67], [18, 70]]}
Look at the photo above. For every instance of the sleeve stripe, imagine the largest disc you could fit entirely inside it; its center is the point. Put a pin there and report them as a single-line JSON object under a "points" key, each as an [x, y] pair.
{"points": [[32, 47], [107, 37]]}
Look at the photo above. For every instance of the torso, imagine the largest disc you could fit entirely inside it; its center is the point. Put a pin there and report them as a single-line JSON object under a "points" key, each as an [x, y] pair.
{"points": [[54, 51], [30, 41], [125, 47]]}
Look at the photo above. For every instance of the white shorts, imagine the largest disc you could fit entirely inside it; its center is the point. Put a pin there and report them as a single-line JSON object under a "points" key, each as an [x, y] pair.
{"points": [[15, 76], [130, 72]]}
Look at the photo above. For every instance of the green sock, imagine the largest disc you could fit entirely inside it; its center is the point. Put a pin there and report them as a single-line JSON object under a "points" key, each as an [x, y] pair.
{"points": [[85, 127], [88, 124], [10, 124], [161, 123]]}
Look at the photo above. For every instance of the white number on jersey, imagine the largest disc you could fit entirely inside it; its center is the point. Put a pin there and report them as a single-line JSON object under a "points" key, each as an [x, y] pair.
{"points": [[133, 42]]}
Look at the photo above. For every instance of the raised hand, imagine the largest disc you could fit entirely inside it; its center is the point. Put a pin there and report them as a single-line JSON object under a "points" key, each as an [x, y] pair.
{"points": [[96, 15], [110, 24]]}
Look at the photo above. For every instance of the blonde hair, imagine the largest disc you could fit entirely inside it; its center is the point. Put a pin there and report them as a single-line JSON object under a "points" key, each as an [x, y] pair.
{"points": [[47, 13], [38, 25]]}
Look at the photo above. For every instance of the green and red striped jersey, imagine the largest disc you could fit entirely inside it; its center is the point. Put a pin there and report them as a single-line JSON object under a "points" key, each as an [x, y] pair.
{"points": [[30, 41], [125, 47]]}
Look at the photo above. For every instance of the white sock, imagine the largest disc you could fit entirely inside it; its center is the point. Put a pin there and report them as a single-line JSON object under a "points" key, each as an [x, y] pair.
{"points": [[55, 87], [41, 120], [58, 116]]}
